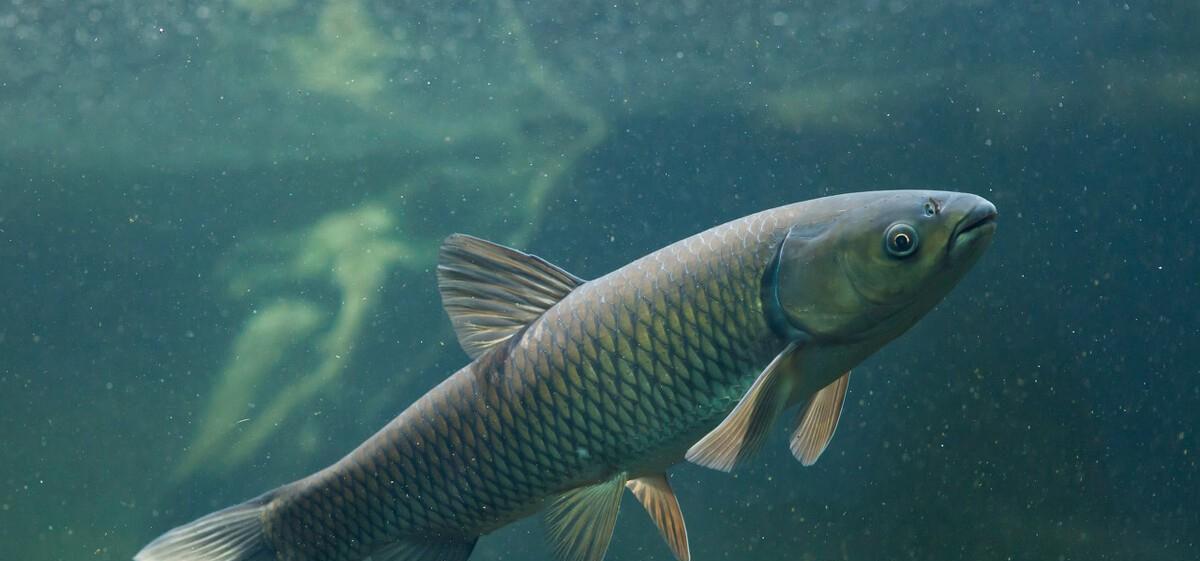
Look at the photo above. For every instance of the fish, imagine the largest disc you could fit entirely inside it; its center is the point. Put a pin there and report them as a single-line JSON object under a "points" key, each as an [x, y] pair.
{"points": [[580, 389]]}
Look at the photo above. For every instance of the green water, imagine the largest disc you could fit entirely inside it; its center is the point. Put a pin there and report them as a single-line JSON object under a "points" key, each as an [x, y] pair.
{"points": [[218, 222]]}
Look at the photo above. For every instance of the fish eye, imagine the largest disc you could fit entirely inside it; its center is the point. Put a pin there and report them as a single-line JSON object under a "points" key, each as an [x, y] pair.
{"points": [[930, 208], [900, 240]]}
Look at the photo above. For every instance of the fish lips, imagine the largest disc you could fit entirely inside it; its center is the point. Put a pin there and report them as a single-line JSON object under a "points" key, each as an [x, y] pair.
{"points": [[977, 225]]}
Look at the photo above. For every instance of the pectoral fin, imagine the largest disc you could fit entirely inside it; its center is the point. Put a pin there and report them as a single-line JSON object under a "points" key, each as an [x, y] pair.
{"points": [[741, 434], [580, 522], [492, 292], [655, 494], [818, 420]]}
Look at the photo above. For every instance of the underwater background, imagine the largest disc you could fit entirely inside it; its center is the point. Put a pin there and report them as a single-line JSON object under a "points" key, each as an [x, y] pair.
{"points": [[218, 225]]}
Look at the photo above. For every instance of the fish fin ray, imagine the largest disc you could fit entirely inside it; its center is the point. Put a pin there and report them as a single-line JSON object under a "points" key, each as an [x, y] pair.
{"points": [[656, 495], [231, 534], [579, 523], [743, 431], [421, 550], [816, 424], [492, 292]]}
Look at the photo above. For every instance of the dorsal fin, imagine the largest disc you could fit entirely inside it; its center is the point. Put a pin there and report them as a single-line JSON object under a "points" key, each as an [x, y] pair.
{"points": [[741, 434], [491, 292], [815, 425]]}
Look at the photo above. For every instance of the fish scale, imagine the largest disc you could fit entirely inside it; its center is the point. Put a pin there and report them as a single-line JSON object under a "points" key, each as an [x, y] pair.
{"points": [[621, 367]]}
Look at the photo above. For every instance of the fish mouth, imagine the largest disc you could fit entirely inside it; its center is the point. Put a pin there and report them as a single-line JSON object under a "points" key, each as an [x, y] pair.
{"points": [[979, 222]]}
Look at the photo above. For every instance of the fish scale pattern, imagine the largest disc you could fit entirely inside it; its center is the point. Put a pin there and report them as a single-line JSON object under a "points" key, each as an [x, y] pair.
{"points": [[623, 368]]}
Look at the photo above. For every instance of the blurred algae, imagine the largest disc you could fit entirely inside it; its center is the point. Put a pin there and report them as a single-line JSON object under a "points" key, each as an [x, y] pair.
{"points": [[265, 339], [1003, 102], [845, 104], [259, 8], [350, 250], [562, 160], [345, 54], [492, 175]]}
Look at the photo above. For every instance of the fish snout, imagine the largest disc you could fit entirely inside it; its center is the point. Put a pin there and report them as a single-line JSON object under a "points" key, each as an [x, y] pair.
{"points": [[976, 225]]}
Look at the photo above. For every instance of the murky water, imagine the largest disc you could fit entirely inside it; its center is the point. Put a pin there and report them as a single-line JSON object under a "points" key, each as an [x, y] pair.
{"points": [[219, 221]]}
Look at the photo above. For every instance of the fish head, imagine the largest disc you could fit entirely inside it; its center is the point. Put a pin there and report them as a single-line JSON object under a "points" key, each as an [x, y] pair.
{"points": [[876, 262]]}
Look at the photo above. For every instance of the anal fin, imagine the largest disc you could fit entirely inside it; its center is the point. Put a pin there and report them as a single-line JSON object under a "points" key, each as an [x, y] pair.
{"points": [[656, 495], [818, 421], [412, 550], [742, 433], [580, 522]]}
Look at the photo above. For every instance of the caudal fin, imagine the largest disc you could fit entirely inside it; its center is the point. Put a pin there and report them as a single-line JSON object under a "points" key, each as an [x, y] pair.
{"points": [[232, 534]]}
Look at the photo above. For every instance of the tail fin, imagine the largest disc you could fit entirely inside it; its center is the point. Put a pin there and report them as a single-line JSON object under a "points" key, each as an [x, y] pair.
{"points": [[232, 534]]}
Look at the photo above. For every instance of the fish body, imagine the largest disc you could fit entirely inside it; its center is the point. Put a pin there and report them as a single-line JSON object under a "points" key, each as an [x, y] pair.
{"points": [[580, 389]]}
